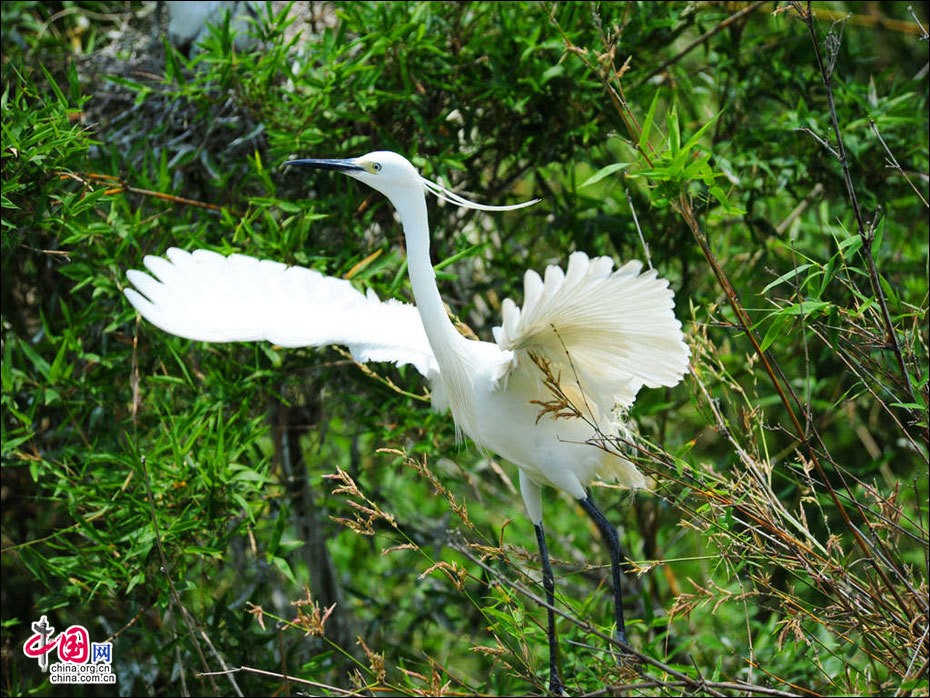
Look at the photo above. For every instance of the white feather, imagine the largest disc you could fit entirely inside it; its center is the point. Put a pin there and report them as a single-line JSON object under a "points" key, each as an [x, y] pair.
{"points": [[605, 333], [205, 296]]}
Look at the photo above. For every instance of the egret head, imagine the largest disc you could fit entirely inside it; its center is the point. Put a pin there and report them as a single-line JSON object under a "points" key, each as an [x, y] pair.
{"points": [[386, 172], [394, 176]]}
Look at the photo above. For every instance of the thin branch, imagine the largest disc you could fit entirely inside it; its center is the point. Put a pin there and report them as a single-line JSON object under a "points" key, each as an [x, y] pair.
{"points": [[263, 672], [866, 233], [894, 161], [799, 209], [749, 9], [924, 36], [642, 239], [117, 185], [822, 141]]}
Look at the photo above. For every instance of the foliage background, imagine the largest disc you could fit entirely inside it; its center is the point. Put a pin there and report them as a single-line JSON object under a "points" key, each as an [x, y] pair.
{"points": [[784, 549]]}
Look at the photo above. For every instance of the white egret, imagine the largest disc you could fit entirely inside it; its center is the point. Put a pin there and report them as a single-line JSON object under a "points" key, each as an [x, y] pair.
{"points": [[603, 333], [189, 22]]}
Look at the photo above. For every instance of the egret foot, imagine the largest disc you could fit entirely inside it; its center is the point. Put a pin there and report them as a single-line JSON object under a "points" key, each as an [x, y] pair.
{"points": [[609, 534], [555, 686], [555, 682]]}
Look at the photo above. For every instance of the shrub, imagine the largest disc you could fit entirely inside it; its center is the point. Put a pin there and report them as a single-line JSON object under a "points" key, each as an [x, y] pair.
{"points": [[213, 507]]}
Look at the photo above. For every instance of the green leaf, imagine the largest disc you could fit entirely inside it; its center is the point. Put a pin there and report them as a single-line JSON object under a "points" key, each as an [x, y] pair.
{"points": [[786, 277], [284, 568], [648, 121], [808, 308], [604, 172], [674, 133], [775, 331]]}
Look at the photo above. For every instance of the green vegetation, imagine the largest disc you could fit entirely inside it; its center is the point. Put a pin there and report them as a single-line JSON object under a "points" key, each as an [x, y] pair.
{"points": [[207, 507]]}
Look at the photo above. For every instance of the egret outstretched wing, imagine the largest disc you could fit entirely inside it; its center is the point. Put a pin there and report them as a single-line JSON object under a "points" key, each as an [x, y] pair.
{"points": [[606, 333], [205, 296]]}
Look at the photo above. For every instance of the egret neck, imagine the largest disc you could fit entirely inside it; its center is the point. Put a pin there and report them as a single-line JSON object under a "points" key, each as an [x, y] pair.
{"points": [[447, 343]]}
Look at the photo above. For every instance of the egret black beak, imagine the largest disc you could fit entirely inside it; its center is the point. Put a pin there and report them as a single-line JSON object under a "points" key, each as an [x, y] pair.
{"points": [[328, 164]]}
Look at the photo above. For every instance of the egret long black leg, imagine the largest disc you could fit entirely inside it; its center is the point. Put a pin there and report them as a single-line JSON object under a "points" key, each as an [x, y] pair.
{"points": [[555, 683], [616, 558]]}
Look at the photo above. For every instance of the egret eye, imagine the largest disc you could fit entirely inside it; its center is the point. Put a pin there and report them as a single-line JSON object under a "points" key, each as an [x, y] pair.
{"points": [[375, 167]]}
